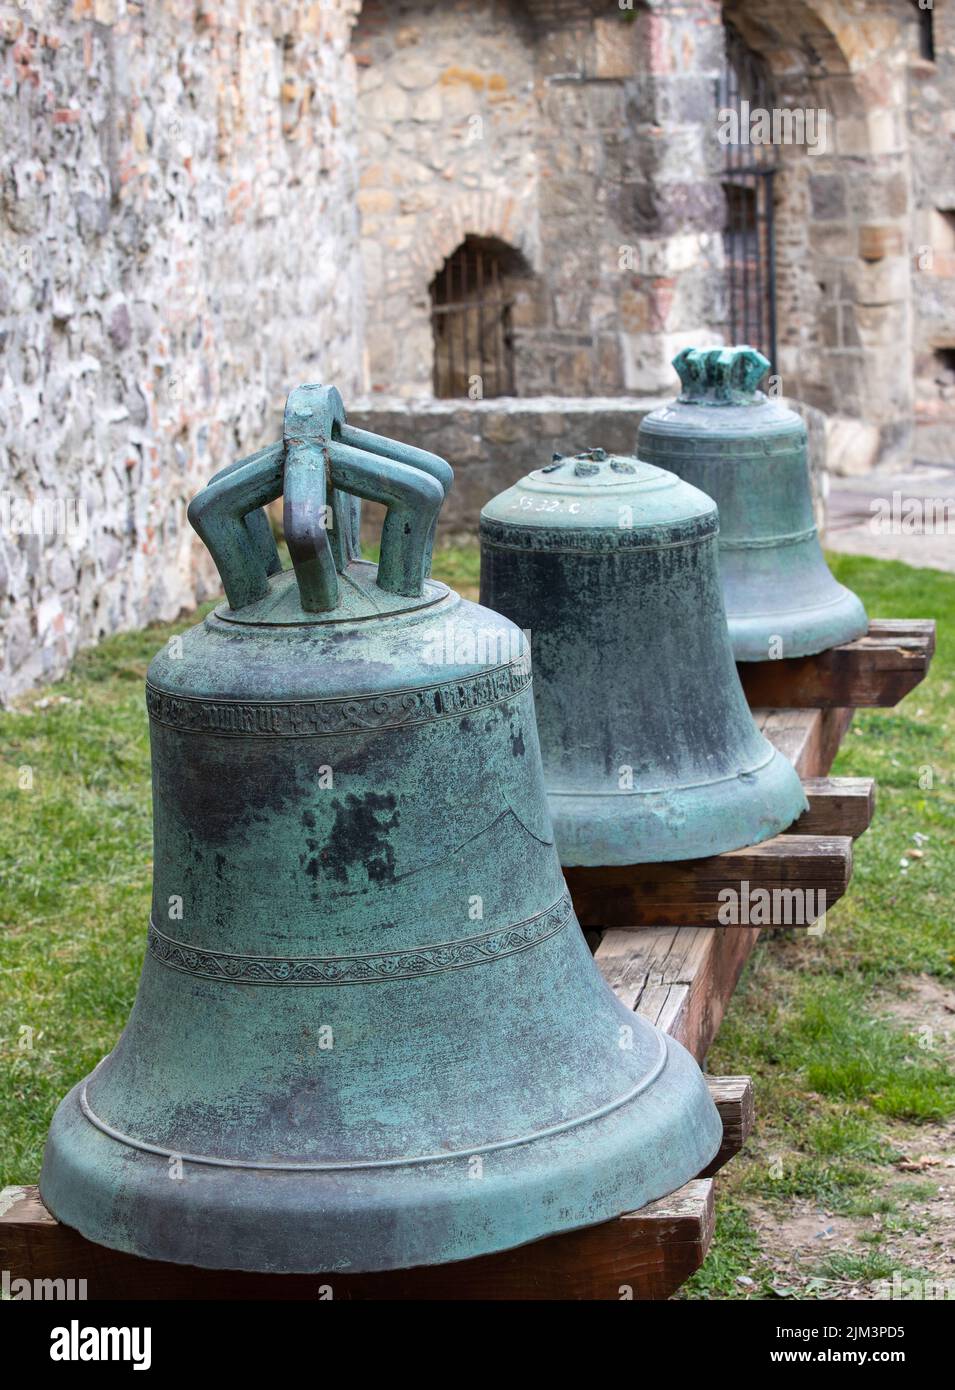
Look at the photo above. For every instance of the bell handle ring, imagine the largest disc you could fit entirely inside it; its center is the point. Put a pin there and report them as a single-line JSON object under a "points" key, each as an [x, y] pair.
{"points": [[323, 466], [720, 376]]}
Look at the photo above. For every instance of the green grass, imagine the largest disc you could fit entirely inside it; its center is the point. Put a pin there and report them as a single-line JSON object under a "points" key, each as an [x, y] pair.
{"points": [[838, 1086]]}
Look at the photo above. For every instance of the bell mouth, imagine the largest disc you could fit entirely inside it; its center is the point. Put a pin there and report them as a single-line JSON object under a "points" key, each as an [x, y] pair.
{"points": [[603, 829], [798, 632], [356, 1164], [385, 1217]]}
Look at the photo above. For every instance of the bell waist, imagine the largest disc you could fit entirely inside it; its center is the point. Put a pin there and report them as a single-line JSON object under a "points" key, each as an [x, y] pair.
{"points": [[366, 967]]}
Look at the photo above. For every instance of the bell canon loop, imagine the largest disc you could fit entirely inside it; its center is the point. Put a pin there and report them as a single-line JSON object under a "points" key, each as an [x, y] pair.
{"points": [[368, 1033], [749, 453], [650, 750]]}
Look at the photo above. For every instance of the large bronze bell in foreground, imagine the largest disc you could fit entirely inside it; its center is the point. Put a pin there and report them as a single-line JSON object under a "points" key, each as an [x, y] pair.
{"points": [[748, 452], [650, 750], [369, 1033]]}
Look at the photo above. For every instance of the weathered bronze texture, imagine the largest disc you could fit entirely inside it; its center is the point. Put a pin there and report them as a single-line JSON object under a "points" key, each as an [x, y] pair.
{"points": [[650, 750], [748, 452], [369, 1033]]}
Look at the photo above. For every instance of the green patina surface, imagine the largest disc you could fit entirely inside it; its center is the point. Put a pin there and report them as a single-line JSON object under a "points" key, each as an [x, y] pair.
{"points": [[748, 452], [368, 1031], [842, 1094], [650, 750]]}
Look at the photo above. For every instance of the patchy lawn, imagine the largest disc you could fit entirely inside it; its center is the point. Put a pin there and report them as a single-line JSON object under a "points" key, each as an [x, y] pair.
{"points": [[850, 1037], [850, 1176]]}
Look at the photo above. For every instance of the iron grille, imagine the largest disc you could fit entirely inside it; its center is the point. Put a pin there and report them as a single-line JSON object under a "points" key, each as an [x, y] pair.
{"points": [[471, 316], [749, 231]]}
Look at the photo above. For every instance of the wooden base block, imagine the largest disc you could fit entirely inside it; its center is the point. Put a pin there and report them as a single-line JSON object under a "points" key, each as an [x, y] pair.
{"points": [[680, 978], [688, 892], [878, 669], [644, 1254], [837, 806]]}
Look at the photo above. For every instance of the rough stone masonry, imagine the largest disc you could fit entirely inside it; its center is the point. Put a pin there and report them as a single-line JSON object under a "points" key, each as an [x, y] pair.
{"points": [[178, 247]]}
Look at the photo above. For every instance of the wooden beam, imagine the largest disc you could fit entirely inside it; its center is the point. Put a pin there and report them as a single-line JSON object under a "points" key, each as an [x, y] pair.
{"points": [[878, 669], [733, 1097], [809, 738], [680, 978], [837, 806], [644, 1254], [687, 892]]}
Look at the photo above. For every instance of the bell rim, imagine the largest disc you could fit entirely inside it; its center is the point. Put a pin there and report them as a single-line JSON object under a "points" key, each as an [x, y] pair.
{"points": [[800, 631], [647, 1148], [358, 1165], [769, 802]]}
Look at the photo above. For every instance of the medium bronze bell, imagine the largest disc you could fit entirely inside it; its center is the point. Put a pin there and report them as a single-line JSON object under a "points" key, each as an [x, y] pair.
{"points": [[369, 1033], [650, 750], [748, 452]]}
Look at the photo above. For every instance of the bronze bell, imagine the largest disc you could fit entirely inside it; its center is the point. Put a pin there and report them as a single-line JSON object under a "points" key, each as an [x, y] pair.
{"points": [[650, 750], [748, 452], [369, 1032]]}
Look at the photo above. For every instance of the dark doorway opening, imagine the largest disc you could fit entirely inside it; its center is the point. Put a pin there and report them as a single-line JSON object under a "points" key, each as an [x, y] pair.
{"points": [[472, 302]]}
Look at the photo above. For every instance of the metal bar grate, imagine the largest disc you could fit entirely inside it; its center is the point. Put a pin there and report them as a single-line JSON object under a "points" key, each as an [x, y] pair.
{"points": [[471, 318], [748, 174]]}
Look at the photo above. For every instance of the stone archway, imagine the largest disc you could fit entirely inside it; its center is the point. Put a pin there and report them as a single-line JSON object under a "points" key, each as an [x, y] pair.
{"points": [[445, 106], [481, 299], [532, 122], [496, 215]]}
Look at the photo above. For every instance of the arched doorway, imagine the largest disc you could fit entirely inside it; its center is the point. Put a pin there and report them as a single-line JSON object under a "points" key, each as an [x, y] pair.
{"points": [[473, 298]]}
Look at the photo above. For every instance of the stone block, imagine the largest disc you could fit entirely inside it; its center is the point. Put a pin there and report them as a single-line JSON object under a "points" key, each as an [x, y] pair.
{"points": [[882, 325], [833, 239], [375, 201], [614, 48], [878, 241], [828, 195], [852, 446], [880, 282]]}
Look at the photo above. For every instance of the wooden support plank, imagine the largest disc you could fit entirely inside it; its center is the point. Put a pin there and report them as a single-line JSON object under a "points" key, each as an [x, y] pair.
{"points": [[809, 738], [650, 1253], [733, 1097], [680, 978], [812, 856], [687, 892], [837, 806], [878, 669]]}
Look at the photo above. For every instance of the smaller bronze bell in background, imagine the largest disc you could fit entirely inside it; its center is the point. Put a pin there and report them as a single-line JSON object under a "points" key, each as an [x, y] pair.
{"points": [[650, 750], [748, 452]]}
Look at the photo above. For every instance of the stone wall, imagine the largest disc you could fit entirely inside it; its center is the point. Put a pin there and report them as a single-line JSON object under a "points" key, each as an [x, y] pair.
{"points": [[572, 133], [931, 126], [843, 216], [585, 137], [179, 241], [491, 444]]}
